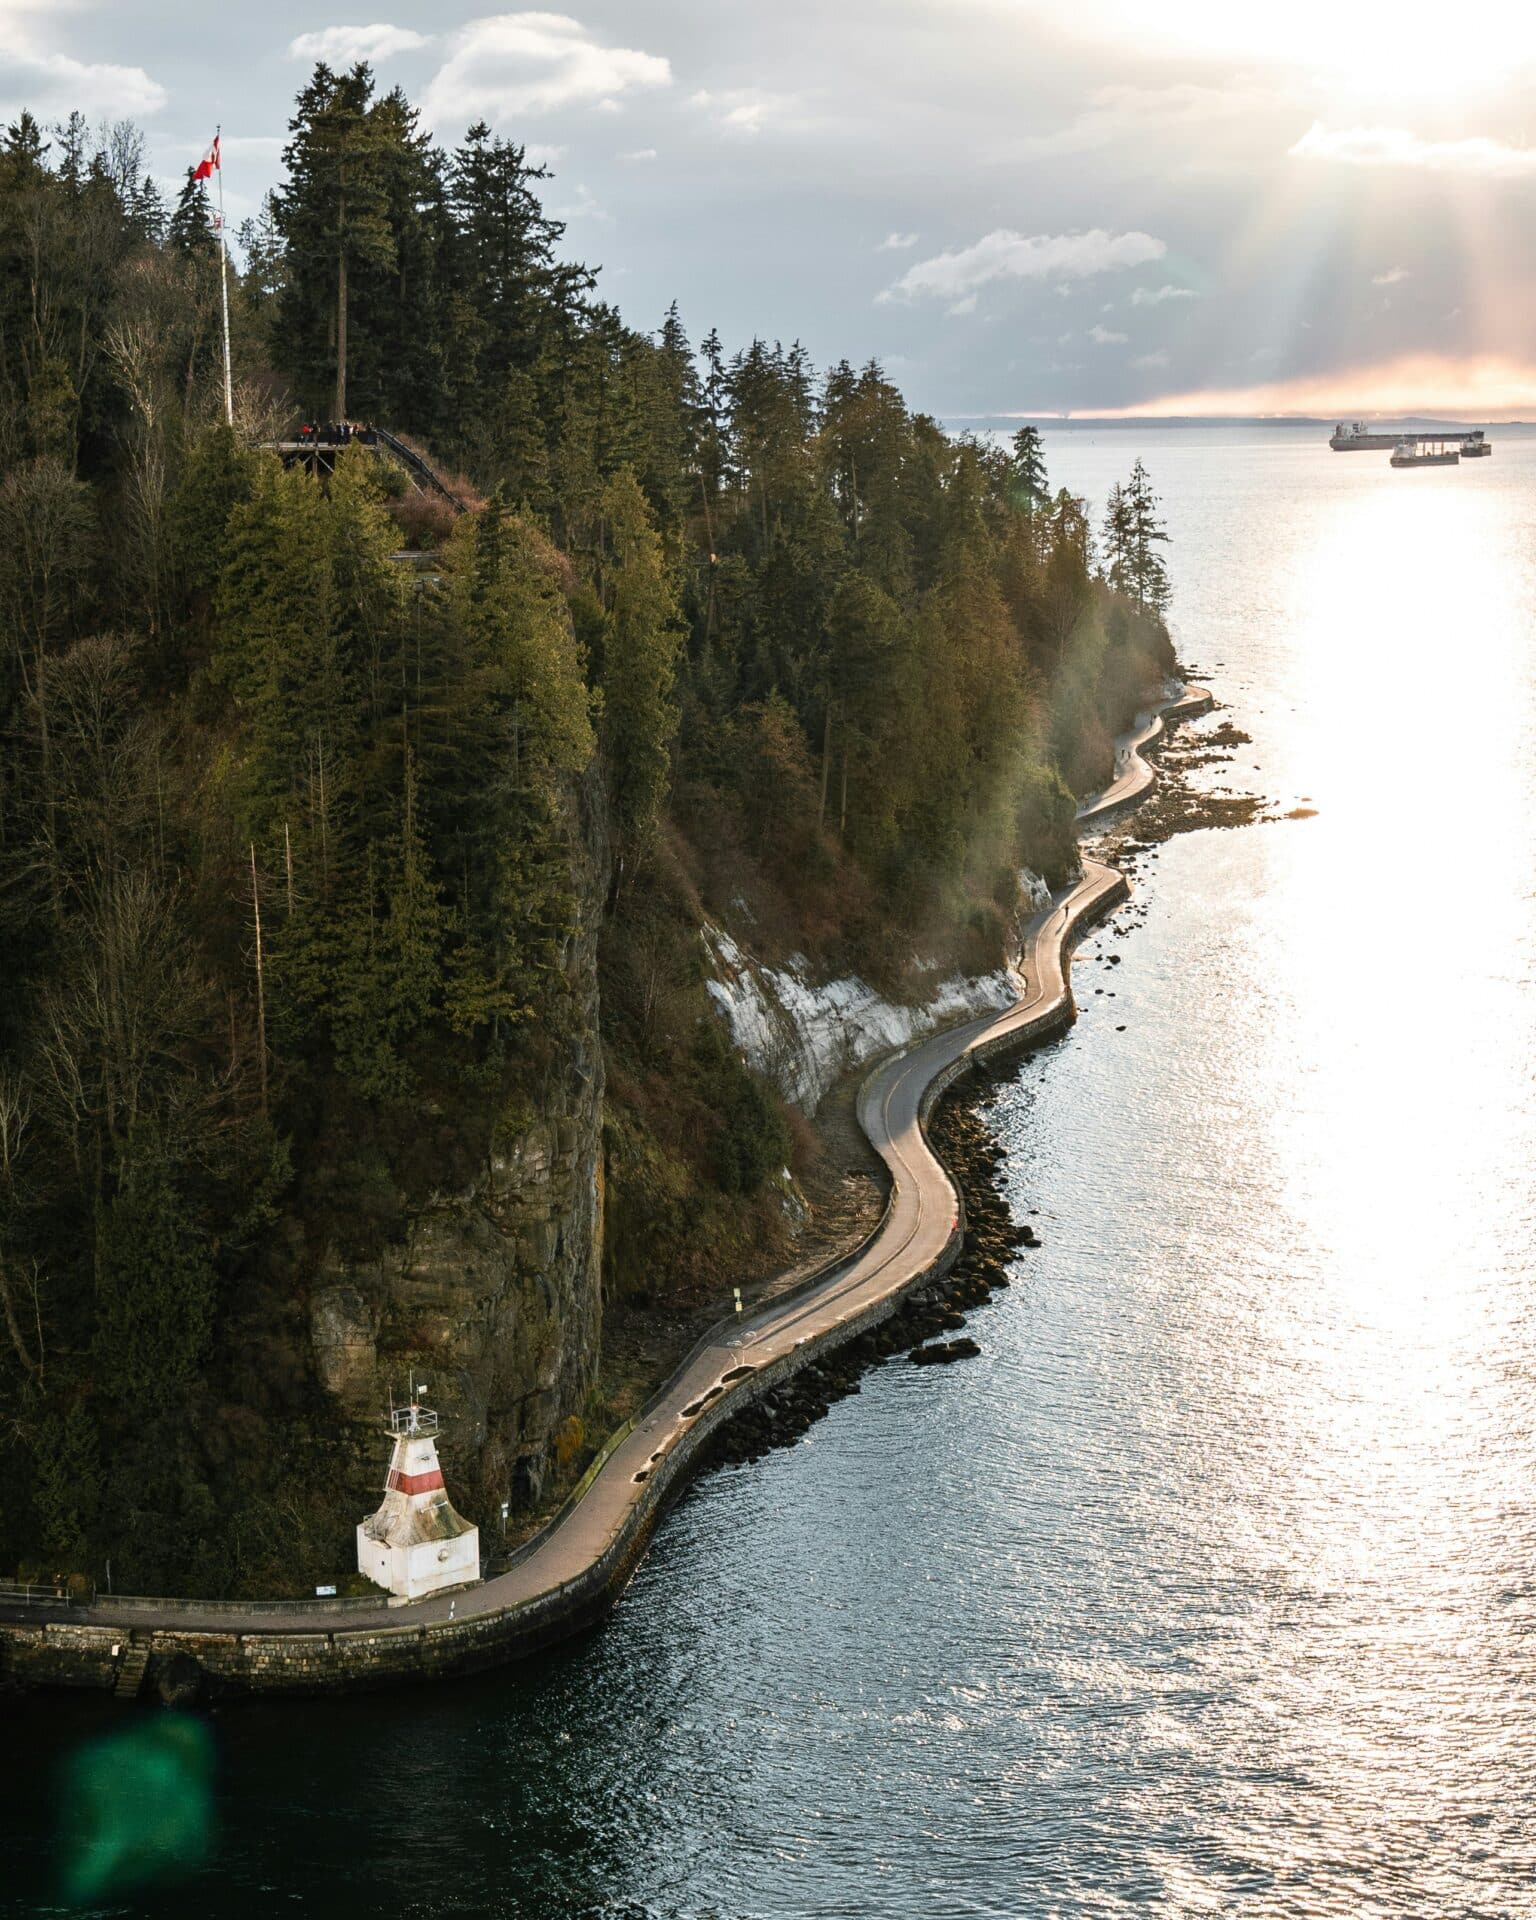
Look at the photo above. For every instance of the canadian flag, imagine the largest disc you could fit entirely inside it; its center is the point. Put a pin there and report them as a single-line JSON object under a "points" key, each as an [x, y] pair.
{"points": [[210, 160]]}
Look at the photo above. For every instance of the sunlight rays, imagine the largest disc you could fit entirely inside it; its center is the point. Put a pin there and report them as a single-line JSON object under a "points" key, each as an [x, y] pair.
{"points": [[1406, 48]]}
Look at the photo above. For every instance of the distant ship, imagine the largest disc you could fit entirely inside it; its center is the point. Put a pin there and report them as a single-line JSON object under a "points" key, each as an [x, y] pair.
{"points": [[1424, 453], [1356, 438]]}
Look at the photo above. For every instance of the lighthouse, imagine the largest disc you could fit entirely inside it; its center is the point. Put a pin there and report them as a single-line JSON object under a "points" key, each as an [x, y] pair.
{"points": [[416, 1544]]}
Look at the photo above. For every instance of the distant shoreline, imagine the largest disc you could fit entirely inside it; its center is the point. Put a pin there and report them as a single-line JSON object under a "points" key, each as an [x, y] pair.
{"points": [[1081, 423]]}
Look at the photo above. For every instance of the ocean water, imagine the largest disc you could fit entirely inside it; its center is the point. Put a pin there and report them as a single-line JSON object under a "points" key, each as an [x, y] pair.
{"points": [[1210, 1587]]}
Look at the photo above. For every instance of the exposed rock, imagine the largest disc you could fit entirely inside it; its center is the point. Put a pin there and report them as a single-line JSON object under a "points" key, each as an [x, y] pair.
{"points": [[805, 1034], [942, 1354], [493, 1297], [343, 1329]]}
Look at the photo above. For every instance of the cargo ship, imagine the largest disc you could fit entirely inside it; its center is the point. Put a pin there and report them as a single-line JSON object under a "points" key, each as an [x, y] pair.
{"points": [[1358, 438], [1423, 452]]}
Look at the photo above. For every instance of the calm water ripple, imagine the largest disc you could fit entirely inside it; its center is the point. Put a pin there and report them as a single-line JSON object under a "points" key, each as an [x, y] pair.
{"points": [[1210, 1588]]}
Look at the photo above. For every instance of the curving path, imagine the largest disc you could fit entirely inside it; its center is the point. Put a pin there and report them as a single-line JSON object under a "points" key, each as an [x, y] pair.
{"points": [[606, 1527]]}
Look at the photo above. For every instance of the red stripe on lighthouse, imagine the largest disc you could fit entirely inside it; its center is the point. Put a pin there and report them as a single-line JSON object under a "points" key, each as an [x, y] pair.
{"points": [[415, 1482]]}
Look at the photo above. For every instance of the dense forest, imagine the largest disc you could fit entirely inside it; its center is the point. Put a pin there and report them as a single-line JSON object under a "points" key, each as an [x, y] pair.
{"points": [[307, 778]]}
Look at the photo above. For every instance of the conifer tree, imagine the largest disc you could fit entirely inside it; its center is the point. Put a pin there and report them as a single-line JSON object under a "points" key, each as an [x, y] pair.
{"points": [[277, 637], [191, 227], [1119, 541], [333, 216], [414, 930], [1146, 533], [1031, 490], [640, 644]]}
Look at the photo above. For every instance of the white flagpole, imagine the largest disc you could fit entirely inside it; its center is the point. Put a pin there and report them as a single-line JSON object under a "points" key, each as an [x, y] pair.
{"points": [[229, 392]]}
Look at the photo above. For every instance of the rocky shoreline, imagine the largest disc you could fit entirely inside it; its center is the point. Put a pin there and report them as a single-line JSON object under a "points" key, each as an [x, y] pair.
{"points": [[923, 1329]]}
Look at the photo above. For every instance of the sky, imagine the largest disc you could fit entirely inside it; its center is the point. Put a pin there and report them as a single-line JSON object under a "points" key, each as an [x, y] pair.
{"points": [[1016, 206]]}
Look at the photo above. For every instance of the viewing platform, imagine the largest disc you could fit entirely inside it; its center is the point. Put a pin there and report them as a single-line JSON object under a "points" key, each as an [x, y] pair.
{"points": [[317, 448]]}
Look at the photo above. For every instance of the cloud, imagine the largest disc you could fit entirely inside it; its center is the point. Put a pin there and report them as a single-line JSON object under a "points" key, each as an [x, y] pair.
{"points": [[1129, 115], [344, 46], [1393, 276], [744, 109], [1396, 147], [509, 64], [1159, 296], [1006, 255], [897, 243], [1460, 389], [636, 155], [52, 85], [1107, 337], [583, 206], [967, 305], [1157, 359]]}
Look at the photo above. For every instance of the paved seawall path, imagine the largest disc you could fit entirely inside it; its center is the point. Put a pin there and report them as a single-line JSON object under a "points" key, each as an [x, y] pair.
{"points": [[573, 1570]]}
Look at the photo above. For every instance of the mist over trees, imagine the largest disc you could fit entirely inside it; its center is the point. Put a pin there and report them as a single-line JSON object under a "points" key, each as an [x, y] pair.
{"points": [[287, 827]]}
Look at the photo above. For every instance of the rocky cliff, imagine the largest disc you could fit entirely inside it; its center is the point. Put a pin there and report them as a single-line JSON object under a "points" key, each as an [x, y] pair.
{"points": [[804, 1034], [493, 1296]]}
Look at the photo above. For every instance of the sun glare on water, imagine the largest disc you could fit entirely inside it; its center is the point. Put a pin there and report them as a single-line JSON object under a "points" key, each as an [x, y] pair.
{"points": [[1396, 1093]]}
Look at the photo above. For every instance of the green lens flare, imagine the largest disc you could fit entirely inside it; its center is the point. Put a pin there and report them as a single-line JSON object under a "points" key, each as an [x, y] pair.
{"points": [[137, 1809]]}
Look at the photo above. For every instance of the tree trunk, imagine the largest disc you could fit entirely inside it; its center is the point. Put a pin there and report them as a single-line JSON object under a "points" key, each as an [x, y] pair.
{"points": [[261, 989], [826, 767], [341, 336], [50, 800]]}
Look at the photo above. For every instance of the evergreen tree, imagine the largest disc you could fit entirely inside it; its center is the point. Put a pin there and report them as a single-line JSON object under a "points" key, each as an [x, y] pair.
{"points": [[413, 932], [518, 308], [333, 216], [1148, 571], [1119, 541], [277, 647], [261, 243], [1031, 490], [640, 645], [190, 230], [156, 1292]]}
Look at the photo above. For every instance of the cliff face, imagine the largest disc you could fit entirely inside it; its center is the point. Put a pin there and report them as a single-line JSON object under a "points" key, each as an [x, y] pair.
{"points": [[493, 1297], [804, 1034]]}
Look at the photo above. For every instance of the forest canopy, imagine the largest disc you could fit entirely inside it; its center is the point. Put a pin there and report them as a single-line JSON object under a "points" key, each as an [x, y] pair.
{"points": [[303, 773]]}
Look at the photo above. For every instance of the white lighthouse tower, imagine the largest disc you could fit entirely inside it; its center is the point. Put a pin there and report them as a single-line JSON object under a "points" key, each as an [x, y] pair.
{"points": [[416, 1544]]}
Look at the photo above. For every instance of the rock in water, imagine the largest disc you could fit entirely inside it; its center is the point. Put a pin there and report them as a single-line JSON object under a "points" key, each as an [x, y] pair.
{"points": [[942, 1352]]}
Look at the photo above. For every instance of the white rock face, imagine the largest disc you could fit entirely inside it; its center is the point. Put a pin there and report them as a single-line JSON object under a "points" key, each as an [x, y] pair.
{"points": [[805, 1034]]}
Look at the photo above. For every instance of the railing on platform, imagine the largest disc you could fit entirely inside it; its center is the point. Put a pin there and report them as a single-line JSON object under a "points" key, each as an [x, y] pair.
{"points": [[331, 439], [19, 1593], [412, 1419], [418, 466]]}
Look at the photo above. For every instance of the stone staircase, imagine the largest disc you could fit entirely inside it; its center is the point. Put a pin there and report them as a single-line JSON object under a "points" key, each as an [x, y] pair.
{"points": [[130, 1672]]}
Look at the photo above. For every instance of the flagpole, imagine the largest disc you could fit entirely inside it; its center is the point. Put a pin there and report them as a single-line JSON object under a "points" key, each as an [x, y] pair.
{"points": [[229, 393]]}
